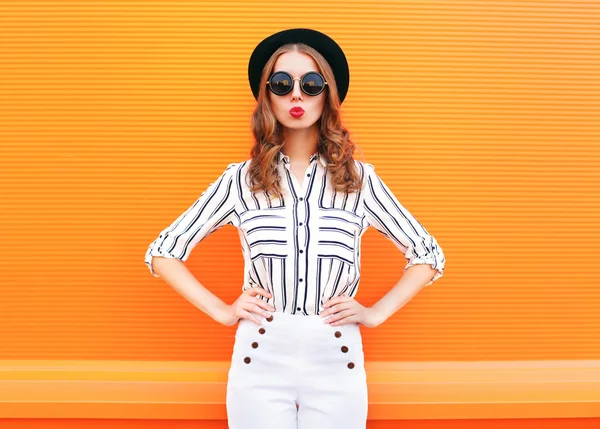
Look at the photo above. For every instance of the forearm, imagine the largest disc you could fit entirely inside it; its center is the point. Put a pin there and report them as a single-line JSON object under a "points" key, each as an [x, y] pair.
{"points": [[176, 275], [411, 282]]}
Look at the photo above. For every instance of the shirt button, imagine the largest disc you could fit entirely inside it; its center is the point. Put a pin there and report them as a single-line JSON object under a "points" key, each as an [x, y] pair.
{"points": [[261, 331], [247, 359], [308, 175], [301, 280], [299, 309], [300, 223], [350, 365], [338, 334], [301, 199], [254, 345], [344, 349], [301, 251]]}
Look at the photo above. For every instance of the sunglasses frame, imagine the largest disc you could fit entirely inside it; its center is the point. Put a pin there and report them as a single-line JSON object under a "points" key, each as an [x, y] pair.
{"points": [[294, 81]]}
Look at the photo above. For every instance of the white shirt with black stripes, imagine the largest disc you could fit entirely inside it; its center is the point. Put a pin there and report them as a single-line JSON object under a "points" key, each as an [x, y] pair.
{"points": [[304, 249]]}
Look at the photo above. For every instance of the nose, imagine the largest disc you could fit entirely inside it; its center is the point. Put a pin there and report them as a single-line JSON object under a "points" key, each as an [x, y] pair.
{"points": [[296, 91]]}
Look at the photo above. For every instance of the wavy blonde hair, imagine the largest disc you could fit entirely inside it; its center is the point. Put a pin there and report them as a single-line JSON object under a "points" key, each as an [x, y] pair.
{"points": [[334, 139]]}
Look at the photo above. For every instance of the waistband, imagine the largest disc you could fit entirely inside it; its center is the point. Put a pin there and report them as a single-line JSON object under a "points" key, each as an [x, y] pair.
{"points": [[288, 322]]}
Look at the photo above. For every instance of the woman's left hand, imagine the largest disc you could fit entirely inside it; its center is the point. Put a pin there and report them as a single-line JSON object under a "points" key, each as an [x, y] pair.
{"points": [[344, 309]]}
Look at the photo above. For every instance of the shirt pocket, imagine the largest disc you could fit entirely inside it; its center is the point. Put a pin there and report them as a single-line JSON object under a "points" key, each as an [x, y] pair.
{"points": [[338, 231], [265, 232]]}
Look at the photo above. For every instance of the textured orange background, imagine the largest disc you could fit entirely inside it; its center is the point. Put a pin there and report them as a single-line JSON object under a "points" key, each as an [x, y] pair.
{"points": [[483, 118], [211, 424]]}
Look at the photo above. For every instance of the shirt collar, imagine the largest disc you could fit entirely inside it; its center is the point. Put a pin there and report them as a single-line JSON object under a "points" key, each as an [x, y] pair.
{"points": [[286, 159]]}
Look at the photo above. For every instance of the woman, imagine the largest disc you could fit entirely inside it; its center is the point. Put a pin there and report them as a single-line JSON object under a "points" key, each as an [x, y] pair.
{"points": [[301, 205]]}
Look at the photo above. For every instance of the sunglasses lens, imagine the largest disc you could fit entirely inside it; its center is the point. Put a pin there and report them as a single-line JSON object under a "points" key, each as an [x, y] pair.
{"points": [[280, 83], [313, 83]]}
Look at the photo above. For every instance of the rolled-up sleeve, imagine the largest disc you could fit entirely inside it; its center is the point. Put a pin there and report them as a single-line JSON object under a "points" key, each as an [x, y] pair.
{"points": [[394, 221], [213, 209]]}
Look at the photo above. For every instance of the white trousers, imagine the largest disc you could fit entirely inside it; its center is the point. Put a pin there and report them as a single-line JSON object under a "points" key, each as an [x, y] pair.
{"points": [[296, 372]]}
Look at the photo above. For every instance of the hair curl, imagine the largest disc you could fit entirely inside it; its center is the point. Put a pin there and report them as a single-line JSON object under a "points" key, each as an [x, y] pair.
{"points": [[334, 139]]}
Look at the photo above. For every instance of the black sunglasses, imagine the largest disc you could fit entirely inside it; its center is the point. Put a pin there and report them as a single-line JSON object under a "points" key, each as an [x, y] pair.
{"points": [[311, 83]]}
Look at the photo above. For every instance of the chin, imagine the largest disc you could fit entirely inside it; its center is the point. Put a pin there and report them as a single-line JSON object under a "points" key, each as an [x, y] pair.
{"points": [[297, 124]]}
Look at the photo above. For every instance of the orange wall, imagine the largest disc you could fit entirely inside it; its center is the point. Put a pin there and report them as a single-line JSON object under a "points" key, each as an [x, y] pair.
{"points": [[483, 118], [381, 424]]}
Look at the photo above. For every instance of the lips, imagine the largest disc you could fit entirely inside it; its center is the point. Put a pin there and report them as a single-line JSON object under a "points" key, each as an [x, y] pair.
{"points": [[296, 112]]}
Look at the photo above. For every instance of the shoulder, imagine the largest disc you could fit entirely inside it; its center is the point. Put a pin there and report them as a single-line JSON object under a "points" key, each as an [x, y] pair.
{"points": [[235, 167], [363, 165], [365, 169], [236, 172]]}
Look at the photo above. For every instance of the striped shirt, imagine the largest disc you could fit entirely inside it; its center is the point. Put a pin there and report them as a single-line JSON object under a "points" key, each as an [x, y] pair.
{"points": [[305, 248]]}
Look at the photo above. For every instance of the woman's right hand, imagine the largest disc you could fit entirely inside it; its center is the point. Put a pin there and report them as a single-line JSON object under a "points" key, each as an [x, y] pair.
{"points": [[247, 304]]}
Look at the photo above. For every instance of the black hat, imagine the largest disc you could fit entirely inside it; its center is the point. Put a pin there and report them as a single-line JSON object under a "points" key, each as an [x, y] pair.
{"points": [[321, 42]]}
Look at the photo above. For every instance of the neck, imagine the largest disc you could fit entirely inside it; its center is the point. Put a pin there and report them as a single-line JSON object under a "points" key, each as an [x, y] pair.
{"points": [[300, 144]]}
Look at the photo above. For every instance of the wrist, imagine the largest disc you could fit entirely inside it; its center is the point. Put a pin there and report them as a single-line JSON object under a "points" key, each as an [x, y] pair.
{"points": [[220, 312], [378, 316]]}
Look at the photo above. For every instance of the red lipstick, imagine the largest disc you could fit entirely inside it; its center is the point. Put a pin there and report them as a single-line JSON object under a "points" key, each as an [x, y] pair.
{"points": [[297, 112]]}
